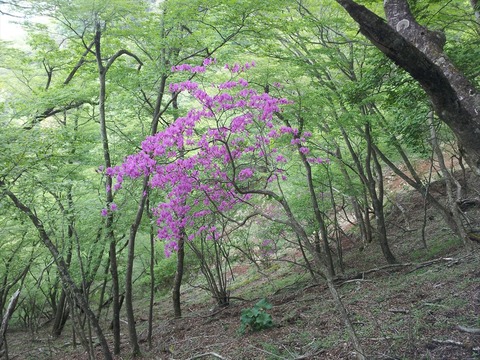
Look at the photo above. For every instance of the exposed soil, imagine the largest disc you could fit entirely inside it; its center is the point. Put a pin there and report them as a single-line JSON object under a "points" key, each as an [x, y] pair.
{"points": [[417, 310]]}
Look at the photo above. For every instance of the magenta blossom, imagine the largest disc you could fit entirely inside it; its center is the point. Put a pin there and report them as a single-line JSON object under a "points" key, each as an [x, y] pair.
{"points": [[202, 159]]}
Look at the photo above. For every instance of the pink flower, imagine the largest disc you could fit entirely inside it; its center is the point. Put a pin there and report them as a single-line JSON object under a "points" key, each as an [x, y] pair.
{"points": [[104, 212], [245, 174], [191, 160], [209, 61]]}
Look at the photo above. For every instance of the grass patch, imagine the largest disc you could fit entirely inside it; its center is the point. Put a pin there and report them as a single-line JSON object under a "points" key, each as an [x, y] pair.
{"points": [[436, 249]]}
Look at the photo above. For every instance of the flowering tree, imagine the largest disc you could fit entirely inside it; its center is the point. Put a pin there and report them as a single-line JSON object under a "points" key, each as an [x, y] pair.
{"points": [[214, 158]]}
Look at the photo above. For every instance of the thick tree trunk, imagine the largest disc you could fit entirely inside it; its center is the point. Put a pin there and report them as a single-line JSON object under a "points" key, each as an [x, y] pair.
{"points": [[419, 51]]}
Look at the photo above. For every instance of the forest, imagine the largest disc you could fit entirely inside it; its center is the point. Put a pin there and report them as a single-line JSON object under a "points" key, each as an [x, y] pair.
{"points": [[239, 179]]}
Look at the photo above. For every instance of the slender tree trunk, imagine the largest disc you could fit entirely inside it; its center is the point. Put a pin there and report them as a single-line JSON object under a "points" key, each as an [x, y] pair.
{"points": [[62, 311], [449, 180], [152, 276], [102, 70], [129, 271], [375, 184], [322, 228], [366, 175], [321, 233], [177, 309], [115, 294], [353, 197], [134, 230], [61, 315]]}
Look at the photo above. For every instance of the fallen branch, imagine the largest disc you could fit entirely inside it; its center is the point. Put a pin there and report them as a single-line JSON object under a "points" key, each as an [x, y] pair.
{"points": [[360, 276], [207, 354], [431, 262], [448, 342], [456, 343], [468, 330], [399, 311]]}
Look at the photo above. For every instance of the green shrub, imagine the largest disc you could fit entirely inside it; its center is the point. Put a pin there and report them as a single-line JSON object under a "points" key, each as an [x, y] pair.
{"points": [[256, 318]]}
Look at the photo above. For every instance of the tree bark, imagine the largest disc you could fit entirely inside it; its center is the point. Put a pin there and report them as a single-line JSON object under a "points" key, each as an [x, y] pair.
{"points": [[375, 186], [61, 315], [419, 51], [152, 276], [102, 70], [177, 309], [129, 272], [368, 179], [449, 181], [7, 316]]}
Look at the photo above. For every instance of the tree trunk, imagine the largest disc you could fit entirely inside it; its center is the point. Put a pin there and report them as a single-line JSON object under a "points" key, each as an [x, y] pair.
{"points": [[102, 70], [449, 181], [7, 316], [322, 228], [152, 276], [115, 294], [129, 272], [62, 311], [368, 179], [61, 315], [419, 51], [177, 309], [353, 198], [375, 185]]}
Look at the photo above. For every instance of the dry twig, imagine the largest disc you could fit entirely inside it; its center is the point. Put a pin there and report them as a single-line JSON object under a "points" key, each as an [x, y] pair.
{"points": [[207, 354], [475, 331]]}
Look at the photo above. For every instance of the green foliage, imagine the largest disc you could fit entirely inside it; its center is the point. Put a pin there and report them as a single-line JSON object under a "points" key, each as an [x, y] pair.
{"points": [[165, 269], [256, 318], [165, 274]]}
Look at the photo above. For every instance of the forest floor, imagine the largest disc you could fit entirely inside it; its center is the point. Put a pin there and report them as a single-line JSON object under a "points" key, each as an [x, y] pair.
{"points": [[426, 307]]}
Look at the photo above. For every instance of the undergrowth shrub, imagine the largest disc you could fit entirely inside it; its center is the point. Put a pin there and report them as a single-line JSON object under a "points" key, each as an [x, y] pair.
{"points": [[256, 318]]}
